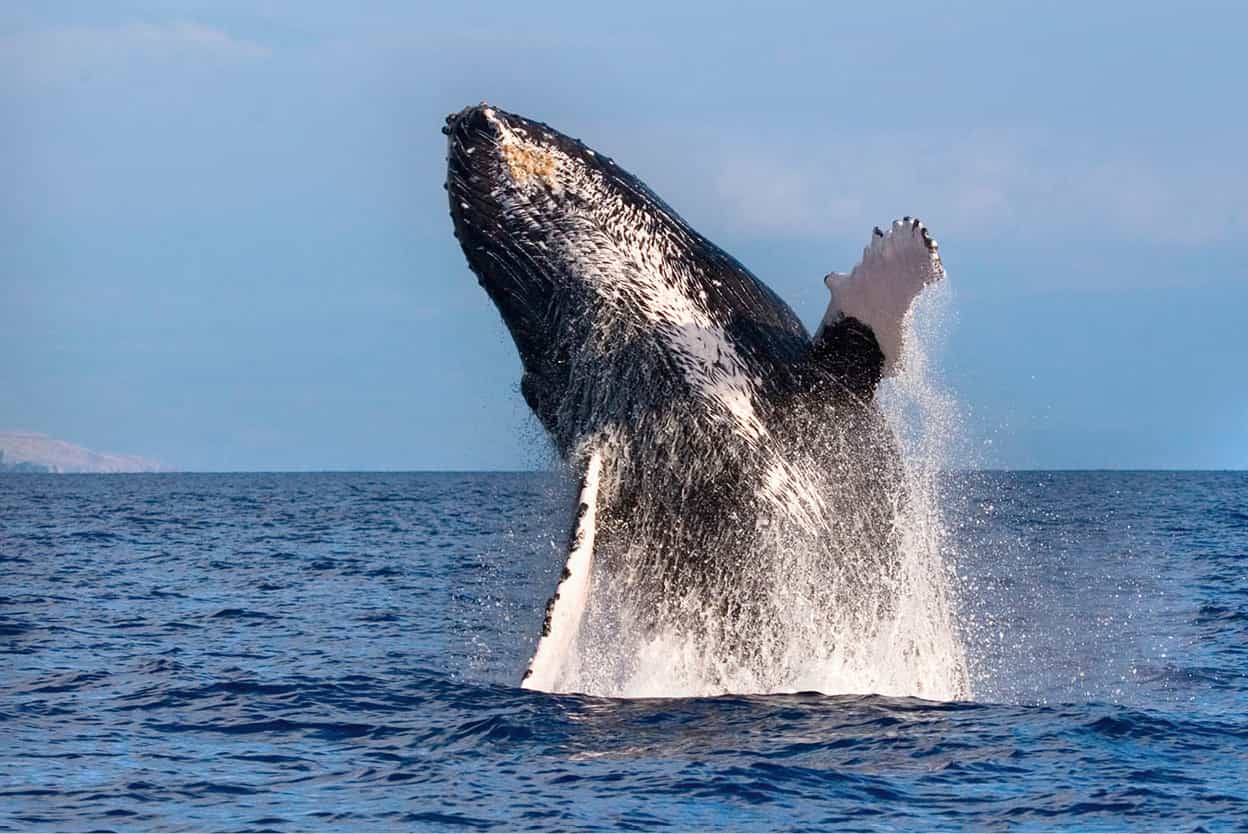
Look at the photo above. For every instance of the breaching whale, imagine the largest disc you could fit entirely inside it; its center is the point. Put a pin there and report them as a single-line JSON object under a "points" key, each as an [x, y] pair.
{"points": [[714, 438]]}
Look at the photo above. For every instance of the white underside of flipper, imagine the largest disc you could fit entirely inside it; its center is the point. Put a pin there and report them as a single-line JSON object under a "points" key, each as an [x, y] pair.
{"points": [[566, 608], [879, 290]]}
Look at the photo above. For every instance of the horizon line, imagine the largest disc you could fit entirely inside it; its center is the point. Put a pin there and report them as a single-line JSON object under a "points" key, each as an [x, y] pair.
{"points": [[482, 471]]}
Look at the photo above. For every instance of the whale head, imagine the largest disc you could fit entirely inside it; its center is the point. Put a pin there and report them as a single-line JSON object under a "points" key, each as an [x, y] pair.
{"points": [[581, 259], [596, 277], [554, 231]]}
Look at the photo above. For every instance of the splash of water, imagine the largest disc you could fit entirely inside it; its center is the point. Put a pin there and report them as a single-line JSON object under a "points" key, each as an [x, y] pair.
{"points": [[927, 423], [857, 623]]}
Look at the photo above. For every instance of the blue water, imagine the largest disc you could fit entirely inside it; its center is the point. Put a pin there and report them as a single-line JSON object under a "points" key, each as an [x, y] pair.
{"points": [[341, 652]]}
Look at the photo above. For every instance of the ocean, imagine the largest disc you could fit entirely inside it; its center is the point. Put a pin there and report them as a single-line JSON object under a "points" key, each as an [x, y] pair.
{"points": [[342, 652]]}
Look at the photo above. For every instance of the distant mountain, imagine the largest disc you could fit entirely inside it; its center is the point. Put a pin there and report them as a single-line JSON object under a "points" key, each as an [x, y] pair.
{"points": [[32, 452]]}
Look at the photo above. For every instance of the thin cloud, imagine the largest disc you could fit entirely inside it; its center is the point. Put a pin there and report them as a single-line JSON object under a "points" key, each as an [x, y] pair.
{"points": [[980, 187], [67, 52]]}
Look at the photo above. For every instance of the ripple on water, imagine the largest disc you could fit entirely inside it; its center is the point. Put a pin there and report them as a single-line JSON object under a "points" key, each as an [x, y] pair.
{"points": [[178, 673]]}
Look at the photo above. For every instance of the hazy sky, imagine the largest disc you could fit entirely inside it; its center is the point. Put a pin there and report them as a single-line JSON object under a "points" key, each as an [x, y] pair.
{"points": [[224, 241]]}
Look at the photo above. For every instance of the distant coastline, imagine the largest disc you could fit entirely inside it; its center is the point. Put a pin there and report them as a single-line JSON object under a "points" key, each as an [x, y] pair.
{"points": [[33, 452], [20, 466]]}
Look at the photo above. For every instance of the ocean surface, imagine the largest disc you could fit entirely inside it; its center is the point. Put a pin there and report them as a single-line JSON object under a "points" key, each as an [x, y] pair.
{"points": [[342, 651]]}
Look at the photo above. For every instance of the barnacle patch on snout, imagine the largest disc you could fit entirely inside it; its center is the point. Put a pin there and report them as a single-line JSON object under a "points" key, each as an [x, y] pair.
{"points": [[528, 162]]}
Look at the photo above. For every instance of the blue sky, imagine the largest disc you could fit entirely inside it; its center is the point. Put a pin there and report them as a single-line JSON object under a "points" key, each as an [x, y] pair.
{"points": [[224, 241]]}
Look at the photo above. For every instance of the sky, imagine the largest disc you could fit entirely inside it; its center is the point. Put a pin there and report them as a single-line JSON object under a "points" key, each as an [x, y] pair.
{"points": [[224, 243]]}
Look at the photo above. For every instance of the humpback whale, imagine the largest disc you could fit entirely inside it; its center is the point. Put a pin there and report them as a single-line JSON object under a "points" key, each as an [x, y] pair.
{"points": [[718, 445]]}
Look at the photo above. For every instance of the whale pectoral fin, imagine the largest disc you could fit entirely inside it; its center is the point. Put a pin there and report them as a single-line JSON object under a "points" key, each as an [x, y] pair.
{"points": [[566, 608], [847, 349], [861, 332]]}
